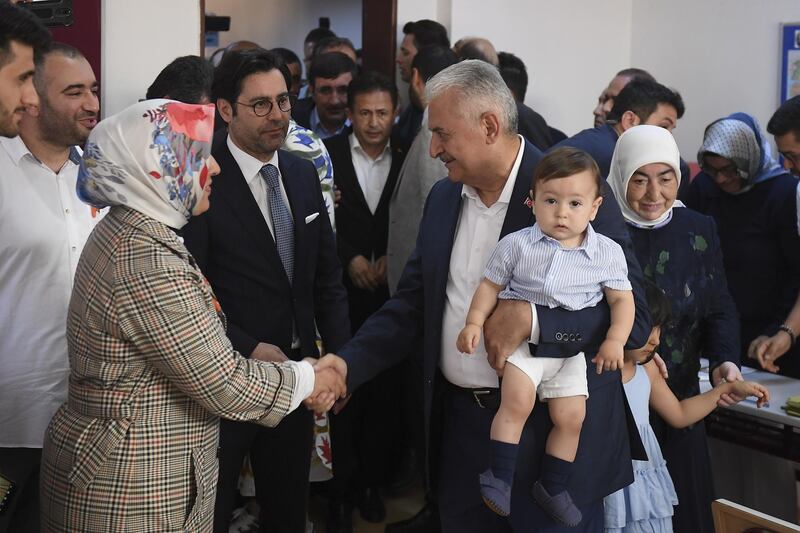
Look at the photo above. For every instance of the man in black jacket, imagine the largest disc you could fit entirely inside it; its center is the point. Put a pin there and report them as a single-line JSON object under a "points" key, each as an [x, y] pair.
{"points": [[267, 248]]}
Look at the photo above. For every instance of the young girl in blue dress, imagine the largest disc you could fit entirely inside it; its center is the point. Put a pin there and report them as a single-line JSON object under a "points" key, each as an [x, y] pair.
{"points": [[647, 504]]}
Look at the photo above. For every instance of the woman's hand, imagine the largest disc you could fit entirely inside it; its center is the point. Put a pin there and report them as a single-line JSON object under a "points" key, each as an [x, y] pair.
{"points": [[767, 350], [268, 353], [728, 372]]}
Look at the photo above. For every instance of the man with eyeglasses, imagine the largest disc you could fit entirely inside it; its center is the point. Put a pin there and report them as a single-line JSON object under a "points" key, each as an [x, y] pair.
{"points": [[267, 249], [785, 127], [325, 111]]}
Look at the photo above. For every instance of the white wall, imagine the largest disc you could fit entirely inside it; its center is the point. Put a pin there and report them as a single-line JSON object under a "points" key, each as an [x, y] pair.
{"points": [[722, 55], [138, 40], [569, 51], [285, 23]]}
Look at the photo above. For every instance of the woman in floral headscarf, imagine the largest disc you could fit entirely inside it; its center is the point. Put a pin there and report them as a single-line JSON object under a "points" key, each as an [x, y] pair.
{"points": [[752, 200], [151, 370], [679, 251]]}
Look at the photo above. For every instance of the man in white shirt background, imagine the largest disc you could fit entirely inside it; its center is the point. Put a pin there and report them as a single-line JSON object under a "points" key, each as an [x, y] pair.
{"points": [[43, 227], [366, 163], [20, 34]]}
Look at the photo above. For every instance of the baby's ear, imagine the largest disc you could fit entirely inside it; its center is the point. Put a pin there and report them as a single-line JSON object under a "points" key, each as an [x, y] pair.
{"points": [[596, 206]]}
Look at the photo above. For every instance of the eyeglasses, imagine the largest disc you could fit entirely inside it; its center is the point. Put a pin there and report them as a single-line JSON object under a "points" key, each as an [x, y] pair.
{"points": [[792, 158], [263, 107], [729, 171]]}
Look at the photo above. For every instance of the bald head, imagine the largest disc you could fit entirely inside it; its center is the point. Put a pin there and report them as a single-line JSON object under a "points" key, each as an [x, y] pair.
{"points": [[476, 48]]}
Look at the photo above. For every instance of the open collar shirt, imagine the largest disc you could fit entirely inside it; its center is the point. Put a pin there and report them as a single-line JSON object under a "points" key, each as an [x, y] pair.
{"points": [[371, 173], [43, 228], [477, 234]]}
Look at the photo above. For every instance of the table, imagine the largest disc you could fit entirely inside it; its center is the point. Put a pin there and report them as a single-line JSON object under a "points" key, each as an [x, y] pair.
{"points": [[768, 429], [755, 452]]}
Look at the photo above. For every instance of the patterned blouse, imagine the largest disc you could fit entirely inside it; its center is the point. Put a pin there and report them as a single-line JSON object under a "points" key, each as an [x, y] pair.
{"points": [[683, 258]]}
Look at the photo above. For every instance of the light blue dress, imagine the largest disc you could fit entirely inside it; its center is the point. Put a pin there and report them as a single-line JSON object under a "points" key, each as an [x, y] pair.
{"points": [[647, 504]]}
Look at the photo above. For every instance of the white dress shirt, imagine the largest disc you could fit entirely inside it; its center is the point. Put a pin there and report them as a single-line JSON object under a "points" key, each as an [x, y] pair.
{"points": [[251, 168], [477, 234], [371, 173], [43, 227]]}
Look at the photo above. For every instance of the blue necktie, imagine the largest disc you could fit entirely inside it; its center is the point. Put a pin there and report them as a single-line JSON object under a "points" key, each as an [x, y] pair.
{"points": [[282, 223]]}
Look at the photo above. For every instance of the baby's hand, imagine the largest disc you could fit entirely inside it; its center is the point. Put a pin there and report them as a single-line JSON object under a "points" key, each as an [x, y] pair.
{"points": [[610, 356], [468, 339], [749, 388]]}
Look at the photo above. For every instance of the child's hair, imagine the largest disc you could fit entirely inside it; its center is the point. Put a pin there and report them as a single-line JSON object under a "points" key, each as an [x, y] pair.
{"points": [[657, 303], [564, 162], [659, 307]]}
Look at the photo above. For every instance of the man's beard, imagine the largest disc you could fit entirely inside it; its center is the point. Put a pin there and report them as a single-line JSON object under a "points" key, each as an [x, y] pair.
{"points": [[60, 129], [7, 126]]}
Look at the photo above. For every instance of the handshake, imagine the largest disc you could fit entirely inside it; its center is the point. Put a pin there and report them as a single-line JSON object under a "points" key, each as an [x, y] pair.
{"points": [[330, 375]]}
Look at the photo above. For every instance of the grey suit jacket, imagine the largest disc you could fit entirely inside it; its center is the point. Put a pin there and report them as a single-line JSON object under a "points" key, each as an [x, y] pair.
{"points": [[417, 176]]}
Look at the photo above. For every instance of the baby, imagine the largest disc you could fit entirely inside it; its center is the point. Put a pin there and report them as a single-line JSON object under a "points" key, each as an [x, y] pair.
{"points": [[559, 262]]}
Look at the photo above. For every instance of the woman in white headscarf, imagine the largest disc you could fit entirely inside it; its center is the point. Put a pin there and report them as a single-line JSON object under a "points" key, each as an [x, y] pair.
{"points": [[679, 251], [151, 370], [752, 199]]}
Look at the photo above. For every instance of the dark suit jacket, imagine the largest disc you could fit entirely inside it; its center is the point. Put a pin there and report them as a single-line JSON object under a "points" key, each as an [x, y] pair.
{"points": [[301, 111], [237, 253], [358, 230], [416, 311], [407, 127], [533, 127]]}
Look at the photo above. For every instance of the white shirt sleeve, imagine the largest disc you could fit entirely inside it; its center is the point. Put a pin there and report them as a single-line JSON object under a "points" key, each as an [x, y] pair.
{"points": [[304, 382], [535, 332]]}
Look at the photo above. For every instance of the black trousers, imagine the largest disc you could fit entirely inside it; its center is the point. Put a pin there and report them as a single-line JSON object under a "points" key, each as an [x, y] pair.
{"points": [[280, 458], [21, 465], [365, 433], [464, 454]]}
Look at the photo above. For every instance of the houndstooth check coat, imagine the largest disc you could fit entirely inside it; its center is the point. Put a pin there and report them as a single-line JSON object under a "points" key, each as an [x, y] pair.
{"points": [[151, 370]]}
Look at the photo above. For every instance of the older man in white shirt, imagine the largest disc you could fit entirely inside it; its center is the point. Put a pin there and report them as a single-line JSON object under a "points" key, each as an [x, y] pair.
{"points": [[43, 227], [473, 119]]}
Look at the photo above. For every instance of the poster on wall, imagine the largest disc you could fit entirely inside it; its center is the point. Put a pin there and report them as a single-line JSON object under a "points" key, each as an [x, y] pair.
{"points": [[790, 61]]}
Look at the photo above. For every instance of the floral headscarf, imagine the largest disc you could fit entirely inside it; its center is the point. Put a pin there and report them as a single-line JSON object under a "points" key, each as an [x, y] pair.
{"points": [[636, 147], [738, 137], [151, 157]]}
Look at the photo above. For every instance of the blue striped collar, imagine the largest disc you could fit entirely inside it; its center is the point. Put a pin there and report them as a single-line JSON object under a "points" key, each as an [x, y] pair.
{"points": [[589, 244]]}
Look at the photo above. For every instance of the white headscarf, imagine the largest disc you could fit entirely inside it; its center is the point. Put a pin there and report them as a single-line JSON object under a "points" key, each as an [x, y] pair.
{"points": [[636, 147], [151, 157]]}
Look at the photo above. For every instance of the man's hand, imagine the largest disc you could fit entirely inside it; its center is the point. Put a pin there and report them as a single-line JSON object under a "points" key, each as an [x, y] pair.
{"points": [[610, 356], [269, 353], [379, 270], [360, 272], [333, 361], [505, 329], [729, 372], [468, 339], [768, 349], [329, 383]]}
